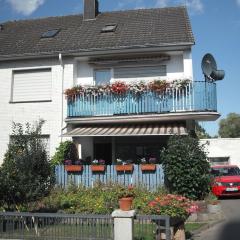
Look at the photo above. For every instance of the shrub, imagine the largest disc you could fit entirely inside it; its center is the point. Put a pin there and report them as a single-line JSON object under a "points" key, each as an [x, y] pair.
{"points": [[65, 151], [172, 205], [186, 167], [26, 174]]}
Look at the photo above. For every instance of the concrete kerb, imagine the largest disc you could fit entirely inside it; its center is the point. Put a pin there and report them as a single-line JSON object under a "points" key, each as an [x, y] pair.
{"points": [[206, 226], [210, 221]]}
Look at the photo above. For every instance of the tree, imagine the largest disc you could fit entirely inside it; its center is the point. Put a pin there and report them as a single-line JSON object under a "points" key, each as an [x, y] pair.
{"points": [[65, 151], [230, 126], [186, 167], [26, 174], [201, 132]]}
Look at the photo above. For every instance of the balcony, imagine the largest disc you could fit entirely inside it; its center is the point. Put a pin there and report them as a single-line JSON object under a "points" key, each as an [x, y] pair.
{"points": [[194, 97]]}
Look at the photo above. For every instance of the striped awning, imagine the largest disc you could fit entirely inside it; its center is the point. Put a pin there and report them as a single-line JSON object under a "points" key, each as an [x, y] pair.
{"points": [[128, 130]]}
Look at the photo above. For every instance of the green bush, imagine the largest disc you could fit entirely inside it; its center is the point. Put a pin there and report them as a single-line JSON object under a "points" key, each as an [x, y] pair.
{"points": [[100, 199], [186, 167], [65, 151], [26, 174]]}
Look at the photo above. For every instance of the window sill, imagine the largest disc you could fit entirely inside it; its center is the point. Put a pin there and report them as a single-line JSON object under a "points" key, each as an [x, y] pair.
{"points": [[34, 101]]}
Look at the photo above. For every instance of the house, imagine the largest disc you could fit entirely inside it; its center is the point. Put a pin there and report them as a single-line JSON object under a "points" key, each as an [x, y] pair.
{"points": [[135, 49], [221, 151]]}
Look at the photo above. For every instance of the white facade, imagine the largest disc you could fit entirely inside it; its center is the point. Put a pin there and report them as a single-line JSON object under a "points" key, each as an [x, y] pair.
{"points": [[179, 66], [63, 75], [223, 149]]}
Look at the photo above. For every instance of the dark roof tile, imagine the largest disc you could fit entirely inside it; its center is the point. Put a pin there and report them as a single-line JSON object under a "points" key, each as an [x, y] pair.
{"points": [[144, 27]]}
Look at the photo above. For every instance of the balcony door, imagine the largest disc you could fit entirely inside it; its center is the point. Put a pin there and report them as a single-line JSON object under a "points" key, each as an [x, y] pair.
{"points": [[102, 76], [103, 151]]}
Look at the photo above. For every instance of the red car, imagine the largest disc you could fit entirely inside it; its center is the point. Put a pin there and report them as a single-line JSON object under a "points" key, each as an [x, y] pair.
{"points": [[226, 180]]}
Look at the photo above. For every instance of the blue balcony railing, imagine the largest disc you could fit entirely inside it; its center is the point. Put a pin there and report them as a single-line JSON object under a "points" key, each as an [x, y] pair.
{"points": [[195, 96]]}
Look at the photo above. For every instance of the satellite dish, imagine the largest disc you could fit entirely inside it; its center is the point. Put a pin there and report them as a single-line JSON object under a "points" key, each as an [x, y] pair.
{"points": [[209, 68]]}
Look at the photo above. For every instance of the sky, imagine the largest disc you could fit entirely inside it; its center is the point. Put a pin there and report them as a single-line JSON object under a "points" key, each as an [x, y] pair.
{"points": [[215, 24]]}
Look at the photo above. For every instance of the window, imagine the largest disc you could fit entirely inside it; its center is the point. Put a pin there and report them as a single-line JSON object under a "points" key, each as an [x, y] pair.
{"points": [[50, 33], [219, 160], [140, 71], [109, 28], [45, 139], [32, 85], [102, 76]]}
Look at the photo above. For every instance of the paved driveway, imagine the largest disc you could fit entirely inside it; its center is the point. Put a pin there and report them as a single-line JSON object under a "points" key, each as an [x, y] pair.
{"points": [[230, 228]]}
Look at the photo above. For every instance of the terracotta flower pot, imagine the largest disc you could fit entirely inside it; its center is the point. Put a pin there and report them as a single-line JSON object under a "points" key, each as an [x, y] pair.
{"points": [[73, 168], [124, 168], [98, 168], [148, 167], [125, 203]]}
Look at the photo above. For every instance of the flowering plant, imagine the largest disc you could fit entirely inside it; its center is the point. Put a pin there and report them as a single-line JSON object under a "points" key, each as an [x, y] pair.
{"points": [[138, 88], [172, 205], [159, 85], [126, 192], [119, 88], [98, 162], [179, 84], [119, 161], [150, 160]]}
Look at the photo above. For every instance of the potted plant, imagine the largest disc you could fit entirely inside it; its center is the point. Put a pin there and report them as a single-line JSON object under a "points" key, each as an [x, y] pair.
{"points": [[159, 86], [124, 166], [125, 196], [177, 207], [98, 165], [76, 167], [213, 204], [149, 165]]}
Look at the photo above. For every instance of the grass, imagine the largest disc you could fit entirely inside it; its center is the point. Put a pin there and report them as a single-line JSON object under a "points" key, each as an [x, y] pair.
{"points": [[191, 227], [77, 230]]}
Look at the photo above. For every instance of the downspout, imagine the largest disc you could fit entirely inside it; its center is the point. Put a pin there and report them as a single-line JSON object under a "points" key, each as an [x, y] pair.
{"points": [[62, 92]]}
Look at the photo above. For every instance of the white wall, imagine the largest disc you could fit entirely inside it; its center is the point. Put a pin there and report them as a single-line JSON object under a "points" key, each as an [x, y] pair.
{"points": [[224, 147], [179, 66], [51, 112], [54, 112]]}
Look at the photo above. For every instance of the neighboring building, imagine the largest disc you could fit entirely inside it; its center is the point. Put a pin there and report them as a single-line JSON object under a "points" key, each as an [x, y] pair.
{"points": [[41, 58], [223, 150]]}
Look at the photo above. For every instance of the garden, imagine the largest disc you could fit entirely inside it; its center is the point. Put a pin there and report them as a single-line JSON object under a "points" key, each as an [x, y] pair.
{"points": [[28, 181]]}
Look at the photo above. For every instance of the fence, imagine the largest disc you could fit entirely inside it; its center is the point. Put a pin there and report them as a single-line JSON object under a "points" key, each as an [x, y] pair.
{"points": [[150, 179], [55, 226], [195, 96], [152, 227], [68, 226]]}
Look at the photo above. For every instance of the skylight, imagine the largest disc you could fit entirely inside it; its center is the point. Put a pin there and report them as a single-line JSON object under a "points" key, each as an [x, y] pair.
{"points": [[109, 28], [50, 33]]}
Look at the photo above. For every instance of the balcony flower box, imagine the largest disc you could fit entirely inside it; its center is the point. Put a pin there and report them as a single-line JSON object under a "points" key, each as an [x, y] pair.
{"points": [[124, 168], [73, 168], [148, 167], [98, 168]]}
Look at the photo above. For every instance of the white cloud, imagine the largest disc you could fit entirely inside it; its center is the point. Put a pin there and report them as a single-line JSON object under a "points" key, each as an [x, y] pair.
{"points": [[162, 3], [25, 7], [195, 5], [136, 4], [238, 2]]}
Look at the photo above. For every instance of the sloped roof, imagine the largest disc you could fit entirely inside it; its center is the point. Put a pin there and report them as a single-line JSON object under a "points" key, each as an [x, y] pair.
{"points": [[135, 29]]}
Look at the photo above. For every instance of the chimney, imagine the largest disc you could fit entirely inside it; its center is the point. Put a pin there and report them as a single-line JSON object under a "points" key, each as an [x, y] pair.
{"points": [[90, 9]]}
